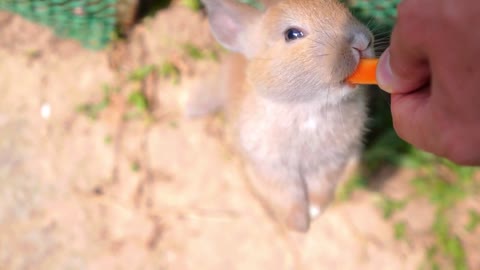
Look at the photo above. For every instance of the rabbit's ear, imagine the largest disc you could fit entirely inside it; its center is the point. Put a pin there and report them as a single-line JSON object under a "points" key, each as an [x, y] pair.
{"points": [[230, 21]]}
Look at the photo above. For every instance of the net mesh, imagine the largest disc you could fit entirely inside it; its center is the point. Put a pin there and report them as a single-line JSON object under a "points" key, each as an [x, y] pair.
{"points": [[92, 22], [380, 15], [95, 23]]}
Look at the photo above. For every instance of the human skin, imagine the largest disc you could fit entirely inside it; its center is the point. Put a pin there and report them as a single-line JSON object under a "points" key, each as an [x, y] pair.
{"points": [[432, 71]]}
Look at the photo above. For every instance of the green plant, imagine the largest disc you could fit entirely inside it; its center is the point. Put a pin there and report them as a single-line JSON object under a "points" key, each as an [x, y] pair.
{"points": [[400, 230], [346, 190], [383, 147], [173, 124], [93, 109], [473, 222], [139, 106], [389, 206], [107, 139], [449, 243], [192, 4], [170, 70], [141, 73], [197, 53], [193, 51], [430, 262], [445, 184], [444, 193], [138, 100], [386, 149], [135, 166]]}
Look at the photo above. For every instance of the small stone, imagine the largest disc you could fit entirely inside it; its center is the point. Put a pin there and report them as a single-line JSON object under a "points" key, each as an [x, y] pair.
{"points": [[45, 111]]}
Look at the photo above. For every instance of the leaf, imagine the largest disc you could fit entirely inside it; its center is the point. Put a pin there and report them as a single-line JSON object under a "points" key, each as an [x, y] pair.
{"points": [[138, 100], [400, 229], [169, 70], [390, 206], [141, 73], [346, 190], [192, 4], [193, 51], [473, 222]]}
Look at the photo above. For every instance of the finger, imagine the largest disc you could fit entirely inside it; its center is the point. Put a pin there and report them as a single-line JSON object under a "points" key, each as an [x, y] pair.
{"points": [[403, 67], [412, 120]]}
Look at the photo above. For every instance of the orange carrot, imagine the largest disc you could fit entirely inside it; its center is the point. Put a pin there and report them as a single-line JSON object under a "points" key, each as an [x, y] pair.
{"points": [[365, 73]]}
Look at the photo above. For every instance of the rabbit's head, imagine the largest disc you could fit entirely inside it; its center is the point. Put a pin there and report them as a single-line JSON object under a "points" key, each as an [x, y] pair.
{"points": [[297, 49]]}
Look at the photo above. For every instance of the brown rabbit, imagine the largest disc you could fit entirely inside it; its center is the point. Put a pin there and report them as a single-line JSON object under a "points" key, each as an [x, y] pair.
{"points": [[296, 121]]}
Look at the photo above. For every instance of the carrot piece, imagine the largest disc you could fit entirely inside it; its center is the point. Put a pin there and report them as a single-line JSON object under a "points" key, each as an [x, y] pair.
{"points": [[365, 72]]}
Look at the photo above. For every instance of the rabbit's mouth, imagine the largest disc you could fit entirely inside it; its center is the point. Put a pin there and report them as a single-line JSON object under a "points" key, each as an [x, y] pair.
{"points": [[349, 85], [346, 83]]}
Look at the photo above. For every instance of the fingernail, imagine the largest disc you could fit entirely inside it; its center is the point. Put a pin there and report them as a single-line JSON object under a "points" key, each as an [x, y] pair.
{"points": [[384, 72]]}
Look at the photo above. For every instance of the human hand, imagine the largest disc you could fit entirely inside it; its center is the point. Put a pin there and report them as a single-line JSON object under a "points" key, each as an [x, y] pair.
{"points": [[432, 70]]}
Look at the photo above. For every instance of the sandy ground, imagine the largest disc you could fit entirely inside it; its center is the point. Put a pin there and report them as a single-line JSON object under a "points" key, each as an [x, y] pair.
{"points": [[161, 194]]}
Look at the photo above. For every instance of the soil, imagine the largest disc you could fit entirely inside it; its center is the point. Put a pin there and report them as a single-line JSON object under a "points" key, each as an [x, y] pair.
{"points": [[158, 192]]}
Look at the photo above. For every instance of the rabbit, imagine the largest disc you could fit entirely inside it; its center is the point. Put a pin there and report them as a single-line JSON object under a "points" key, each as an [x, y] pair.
{"points": [[295, 120]]}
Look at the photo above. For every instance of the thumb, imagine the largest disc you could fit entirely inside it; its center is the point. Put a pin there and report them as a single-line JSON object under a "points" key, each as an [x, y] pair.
{"points": [[401, 72]]}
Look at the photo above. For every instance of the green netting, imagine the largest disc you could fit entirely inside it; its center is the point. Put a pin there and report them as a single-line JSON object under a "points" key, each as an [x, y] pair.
{"points": [[380, 15], [94, 22]]}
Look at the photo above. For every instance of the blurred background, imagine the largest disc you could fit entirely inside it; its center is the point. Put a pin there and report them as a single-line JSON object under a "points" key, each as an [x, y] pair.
{"points": [[99, 169]]}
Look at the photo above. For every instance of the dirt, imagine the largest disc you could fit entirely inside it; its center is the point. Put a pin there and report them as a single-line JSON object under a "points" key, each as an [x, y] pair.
{"points": [[161, 193]]}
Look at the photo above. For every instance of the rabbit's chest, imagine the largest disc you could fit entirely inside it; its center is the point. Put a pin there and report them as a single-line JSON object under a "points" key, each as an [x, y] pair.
{"points": [[300, 137]]}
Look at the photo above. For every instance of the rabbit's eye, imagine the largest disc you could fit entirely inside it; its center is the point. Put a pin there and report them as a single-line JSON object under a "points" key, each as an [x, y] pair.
{"points": [[292, 34]]}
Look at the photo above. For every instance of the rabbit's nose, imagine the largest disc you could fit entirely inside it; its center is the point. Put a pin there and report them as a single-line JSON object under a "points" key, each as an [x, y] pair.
{"points": [[361, 41]]}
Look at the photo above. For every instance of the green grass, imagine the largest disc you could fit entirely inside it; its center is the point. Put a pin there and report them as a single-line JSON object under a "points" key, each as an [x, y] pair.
{"points": [[382, 147], [139, 107], [442, 182], [473, 222], [400, 230], [447, 245], [108, 139], [138, 104], [440, 192], [166, 70], [390, 206], [135, 166], [142, 73], [197, 53], [445, 192], [192, 4], [138, 100], [173, 124], [345, 191], [171, 71], [92, 110]]}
